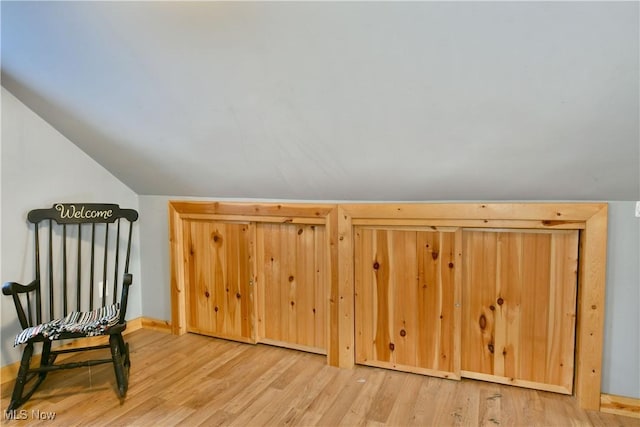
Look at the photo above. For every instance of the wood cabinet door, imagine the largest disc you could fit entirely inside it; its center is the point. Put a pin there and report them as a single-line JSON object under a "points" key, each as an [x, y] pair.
{"points": [[519, 307], [407, 292], [292, 285], [218, 270]]}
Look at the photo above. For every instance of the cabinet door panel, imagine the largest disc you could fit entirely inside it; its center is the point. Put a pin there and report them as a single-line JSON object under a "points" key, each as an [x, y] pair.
{"points": [[292, 285], [519, 307], [406, 288], [218, 270]]}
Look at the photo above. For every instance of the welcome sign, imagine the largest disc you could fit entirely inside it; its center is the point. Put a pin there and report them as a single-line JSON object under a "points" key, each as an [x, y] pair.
{"points": [[70, 211], [76, 213]]}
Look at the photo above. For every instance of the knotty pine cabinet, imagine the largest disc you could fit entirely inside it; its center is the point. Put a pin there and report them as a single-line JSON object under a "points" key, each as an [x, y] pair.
{"points": [[407, 284], [495, 305], [512, 285], [219, 279], [292, 286], [519, 307], [257, 282]]}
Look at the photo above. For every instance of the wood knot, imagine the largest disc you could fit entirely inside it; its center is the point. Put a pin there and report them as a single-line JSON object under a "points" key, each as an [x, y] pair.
{"points": [[238, 295], [293, 303], [490, 346], [207, 294], [450, 265], [492, 307], [300, 231], [215, 309], [392, 346], [403, 333], [434, 255], [291, 278], [376, 265], [482, 322], [500, 301]]}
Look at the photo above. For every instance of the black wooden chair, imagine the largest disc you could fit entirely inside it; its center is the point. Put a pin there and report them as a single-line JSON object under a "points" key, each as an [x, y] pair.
{"points": [[80, 290]]}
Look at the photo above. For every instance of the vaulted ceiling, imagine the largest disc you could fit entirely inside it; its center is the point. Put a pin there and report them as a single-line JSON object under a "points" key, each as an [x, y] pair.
{"points": [[340, 100]]}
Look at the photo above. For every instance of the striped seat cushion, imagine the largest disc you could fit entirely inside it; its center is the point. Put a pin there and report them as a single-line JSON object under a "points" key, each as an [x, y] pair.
{"points": [[89, 323]]}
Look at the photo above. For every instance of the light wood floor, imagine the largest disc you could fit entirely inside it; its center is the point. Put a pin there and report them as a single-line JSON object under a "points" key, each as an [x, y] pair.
{"points": [[195, 380]]}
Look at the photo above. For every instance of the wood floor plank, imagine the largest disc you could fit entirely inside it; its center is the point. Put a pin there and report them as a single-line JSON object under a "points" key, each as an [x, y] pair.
{"points": [[467, 402], [193, 380], [402, 410], [490, 413], [386, 396], [293, 393], [240, 402], [364, 403], [327, 396], [346, 396], [435, 404], [308, 395]]}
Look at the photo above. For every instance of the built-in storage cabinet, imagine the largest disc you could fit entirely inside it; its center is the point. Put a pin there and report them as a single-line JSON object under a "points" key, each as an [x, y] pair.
{"points": [[279, 295], [496, 305], [292, 285], [519, 307], [218, 279], [407, 293], [484, 291]]}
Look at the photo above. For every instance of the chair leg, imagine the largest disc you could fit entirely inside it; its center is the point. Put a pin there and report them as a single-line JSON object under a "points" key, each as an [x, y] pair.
{"points": [[16, 397], [124, 350], [118, 364], [45, 360]]}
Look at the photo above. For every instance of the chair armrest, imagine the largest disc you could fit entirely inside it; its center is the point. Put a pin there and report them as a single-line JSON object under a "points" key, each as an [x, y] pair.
{"points": [[12, 288], [126, 282], [15, 289]]}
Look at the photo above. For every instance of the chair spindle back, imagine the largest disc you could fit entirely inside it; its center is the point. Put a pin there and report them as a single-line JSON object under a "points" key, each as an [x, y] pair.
{"points": [[79, 251]]}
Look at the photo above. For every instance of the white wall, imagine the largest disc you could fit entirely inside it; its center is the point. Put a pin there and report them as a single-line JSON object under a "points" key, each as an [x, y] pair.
{"points": [[40, 167], [621, 359], [155, 259]]}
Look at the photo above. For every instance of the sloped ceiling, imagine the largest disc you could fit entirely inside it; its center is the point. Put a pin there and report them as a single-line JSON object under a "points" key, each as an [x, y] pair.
{"points": [[340, 100]]}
